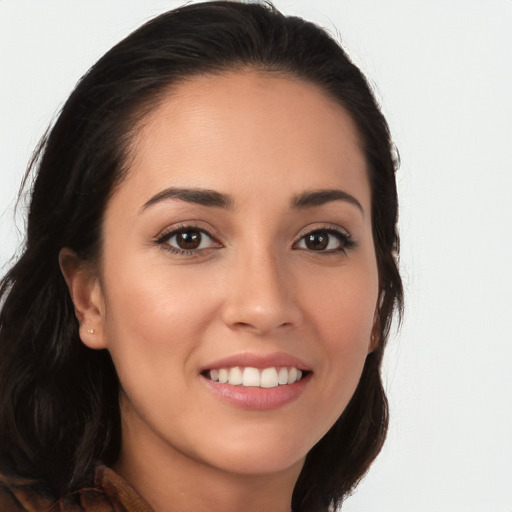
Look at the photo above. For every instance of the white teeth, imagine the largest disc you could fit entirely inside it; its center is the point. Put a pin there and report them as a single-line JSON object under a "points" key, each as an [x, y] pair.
{"points": [[269, 378], [253, 377], [283, 376], [235, 376], [292, 375]]}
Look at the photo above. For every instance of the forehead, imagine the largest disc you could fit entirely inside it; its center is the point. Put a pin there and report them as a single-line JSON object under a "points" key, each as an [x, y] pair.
{"points": [[247, 128]]}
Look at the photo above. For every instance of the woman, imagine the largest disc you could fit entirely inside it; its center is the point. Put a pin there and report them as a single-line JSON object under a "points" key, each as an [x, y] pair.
{"points": [[199, 316]]}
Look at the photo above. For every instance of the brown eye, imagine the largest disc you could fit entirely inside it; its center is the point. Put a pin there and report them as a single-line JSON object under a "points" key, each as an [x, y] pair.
{"points": [[188, 240], [317, 241], [325, 240]]}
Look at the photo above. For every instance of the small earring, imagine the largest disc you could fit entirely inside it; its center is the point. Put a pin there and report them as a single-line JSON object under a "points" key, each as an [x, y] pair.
{"points": [[90, 331]]}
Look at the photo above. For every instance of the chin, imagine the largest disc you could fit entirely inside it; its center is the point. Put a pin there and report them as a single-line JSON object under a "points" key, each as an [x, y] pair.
{"points": [[261, 454]]}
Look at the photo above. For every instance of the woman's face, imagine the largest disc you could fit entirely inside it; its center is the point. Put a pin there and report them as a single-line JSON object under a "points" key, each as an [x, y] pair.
{"points": [[238, 247]]}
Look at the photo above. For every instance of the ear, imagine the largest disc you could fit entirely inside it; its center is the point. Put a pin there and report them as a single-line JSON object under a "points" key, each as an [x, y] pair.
{"points": [[375, 336], [87, 296]]}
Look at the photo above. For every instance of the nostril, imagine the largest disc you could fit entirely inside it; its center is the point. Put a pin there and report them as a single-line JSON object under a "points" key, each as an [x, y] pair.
{"points": [[260, 326]]}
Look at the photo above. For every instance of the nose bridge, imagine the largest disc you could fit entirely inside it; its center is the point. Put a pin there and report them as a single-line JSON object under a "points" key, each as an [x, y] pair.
{"points": [[261, 294]]}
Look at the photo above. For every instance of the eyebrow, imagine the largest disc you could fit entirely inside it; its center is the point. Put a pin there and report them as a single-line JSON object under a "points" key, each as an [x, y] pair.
{"points": [[310, 199], [200, 196], [206, 197]]}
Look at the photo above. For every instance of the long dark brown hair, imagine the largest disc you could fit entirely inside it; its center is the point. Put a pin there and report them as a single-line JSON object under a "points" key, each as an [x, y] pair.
{"points": [[59, 413]]}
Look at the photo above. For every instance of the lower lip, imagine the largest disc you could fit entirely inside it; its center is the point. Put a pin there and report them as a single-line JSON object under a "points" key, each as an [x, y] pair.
{"points": [[258, 398]]}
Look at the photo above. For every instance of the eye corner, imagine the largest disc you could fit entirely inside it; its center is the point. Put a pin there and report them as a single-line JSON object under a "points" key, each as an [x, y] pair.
{"points": [[325, 240], [196, 240]]}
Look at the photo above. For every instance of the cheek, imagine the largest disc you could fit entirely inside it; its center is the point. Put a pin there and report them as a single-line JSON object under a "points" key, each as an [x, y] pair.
{"points": [[344, 329], [342, 314], [342, 306], [155, 318]]}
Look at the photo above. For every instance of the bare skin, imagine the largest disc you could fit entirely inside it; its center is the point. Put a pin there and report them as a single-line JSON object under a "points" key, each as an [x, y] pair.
{"points": [[262, 268], [202, 487]]}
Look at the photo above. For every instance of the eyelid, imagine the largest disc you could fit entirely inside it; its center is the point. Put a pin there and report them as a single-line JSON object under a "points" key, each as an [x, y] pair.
{"points": [[346, 240], [311, 228], [186, 224], [170, 231]]}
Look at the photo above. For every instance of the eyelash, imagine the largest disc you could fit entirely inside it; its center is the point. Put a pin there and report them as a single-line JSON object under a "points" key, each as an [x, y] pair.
{"points": [[344, 238], [164, 239], [346, 242]]}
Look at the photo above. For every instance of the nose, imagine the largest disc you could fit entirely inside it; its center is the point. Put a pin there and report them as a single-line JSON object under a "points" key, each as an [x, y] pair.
{"points": [[261, 296]]}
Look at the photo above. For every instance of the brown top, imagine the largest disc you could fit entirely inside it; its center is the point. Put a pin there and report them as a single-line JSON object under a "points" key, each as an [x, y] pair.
{"points": [[110, 493]]}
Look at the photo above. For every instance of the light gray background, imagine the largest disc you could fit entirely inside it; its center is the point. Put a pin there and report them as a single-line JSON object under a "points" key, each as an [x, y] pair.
{"points": [[443, 72]]}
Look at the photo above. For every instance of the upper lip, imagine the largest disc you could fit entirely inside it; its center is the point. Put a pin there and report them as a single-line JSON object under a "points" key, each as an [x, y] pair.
{"points": [[260, 361]]}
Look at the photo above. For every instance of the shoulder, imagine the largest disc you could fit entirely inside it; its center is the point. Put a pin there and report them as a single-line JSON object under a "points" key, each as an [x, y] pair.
{"points": [[122, 494], [110, 493], [22, 495]]}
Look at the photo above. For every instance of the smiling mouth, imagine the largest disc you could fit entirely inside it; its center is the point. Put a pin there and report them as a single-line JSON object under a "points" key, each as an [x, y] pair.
{"points": [[271, 377]]}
